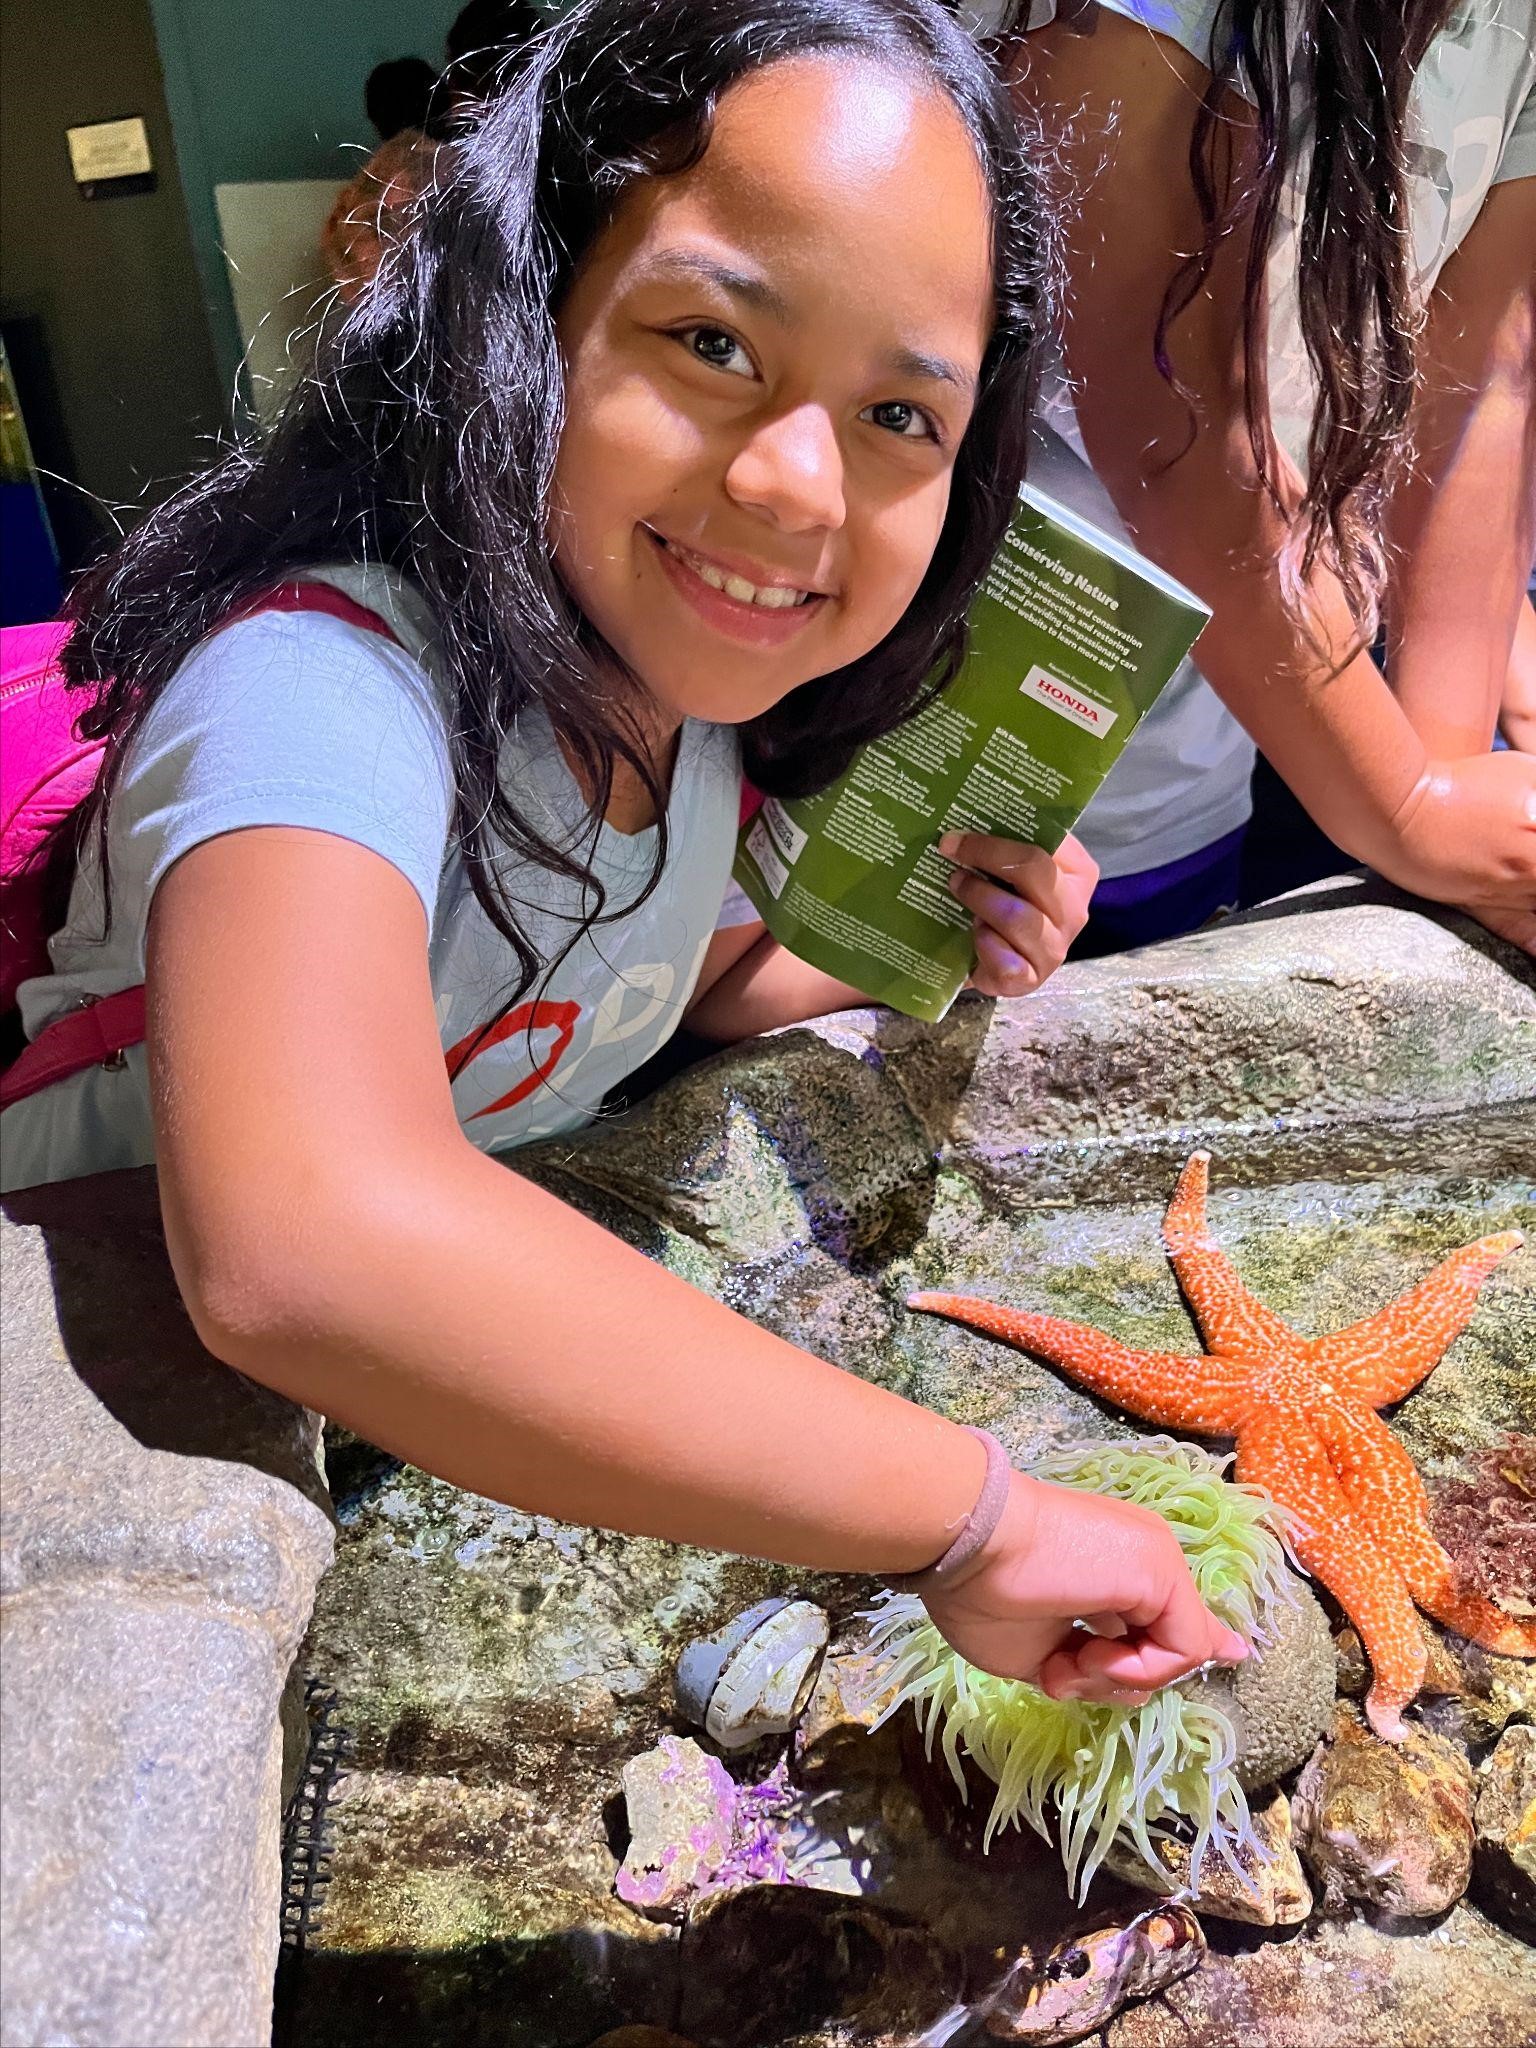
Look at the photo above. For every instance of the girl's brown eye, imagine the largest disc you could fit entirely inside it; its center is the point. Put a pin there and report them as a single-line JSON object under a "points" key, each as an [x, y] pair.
{"points": [[910, 422], [720, 349]]}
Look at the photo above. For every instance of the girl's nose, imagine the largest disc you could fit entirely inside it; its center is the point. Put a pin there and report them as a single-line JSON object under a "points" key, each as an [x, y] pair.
{"points": [[791, 469]]}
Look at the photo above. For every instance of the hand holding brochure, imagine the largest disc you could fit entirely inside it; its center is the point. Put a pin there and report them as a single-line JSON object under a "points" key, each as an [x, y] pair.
{"points": [[1072, 636]]}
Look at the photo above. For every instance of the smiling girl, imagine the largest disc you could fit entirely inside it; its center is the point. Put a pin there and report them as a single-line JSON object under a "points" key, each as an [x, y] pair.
{"points": [[679, 431]]}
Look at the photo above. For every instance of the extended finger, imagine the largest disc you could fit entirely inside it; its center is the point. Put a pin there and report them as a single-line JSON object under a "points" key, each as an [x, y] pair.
{"points": [[1062, 1677], [1133, 1663], [1027, 871], [999, 970], [1020, 925]]}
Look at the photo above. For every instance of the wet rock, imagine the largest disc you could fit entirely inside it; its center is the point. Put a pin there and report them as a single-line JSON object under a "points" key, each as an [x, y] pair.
{"points": [[1281, 1702], [1387, 1824], [1275, 1893], [1348, 1981], [682, 1813], [642, 2037], [1504, 1855], [1077, 1987], [834, 1737], [765, 1963]]}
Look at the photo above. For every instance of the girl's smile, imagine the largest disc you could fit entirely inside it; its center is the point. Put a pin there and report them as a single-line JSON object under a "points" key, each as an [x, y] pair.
{"points": [[759, 608], [771, 360]]}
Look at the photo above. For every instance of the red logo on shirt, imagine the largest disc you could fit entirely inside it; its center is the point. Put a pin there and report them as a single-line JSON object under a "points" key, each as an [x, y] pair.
{"points": [[527, 1017]]}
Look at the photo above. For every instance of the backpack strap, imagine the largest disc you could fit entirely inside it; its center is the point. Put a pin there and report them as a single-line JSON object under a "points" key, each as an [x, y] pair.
{"points": [[99, 1033]]}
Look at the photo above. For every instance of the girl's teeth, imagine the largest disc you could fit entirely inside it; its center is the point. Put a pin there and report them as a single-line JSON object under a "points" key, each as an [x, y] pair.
{"points": [[773, 597]]}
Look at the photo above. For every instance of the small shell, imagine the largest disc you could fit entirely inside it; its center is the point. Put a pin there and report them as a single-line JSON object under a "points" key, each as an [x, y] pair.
{"points": [[1084, 1981], [753, 1677]]}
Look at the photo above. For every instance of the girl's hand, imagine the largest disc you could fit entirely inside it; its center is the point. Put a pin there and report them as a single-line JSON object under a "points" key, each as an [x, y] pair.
{"points": [[1059, 1556], [1029, 905], [1468, 836]]}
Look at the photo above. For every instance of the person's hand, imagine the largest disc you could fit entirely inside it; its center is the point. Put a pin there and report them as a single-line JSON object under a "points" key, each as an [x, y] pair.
{"points": [[1058, 1557], [1029, 905], [1467, 836]]}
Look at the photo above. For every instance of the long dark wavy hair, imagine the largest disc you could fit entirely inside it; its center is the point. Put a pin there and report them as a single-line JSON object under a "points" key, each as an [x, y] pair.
{"points": [[1332, 76], [426, 436]]}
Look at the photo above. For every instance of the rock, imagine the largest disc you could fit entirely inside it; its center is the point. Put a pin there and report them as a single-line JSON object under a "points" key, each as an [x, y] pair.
{"points": [[834, 1737], [1281, 1702], [1079, 1986], [762, 1964], [162, 1539], [1276, 1893], [682, 1812], [1504, 1855], [642, 2037], [1388, 1824]]}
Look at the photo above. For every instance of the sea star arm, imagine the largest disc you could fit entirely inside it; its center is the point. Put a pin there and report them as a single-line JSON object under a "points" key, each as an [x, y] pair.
{"points": [[1203, 1394], [1278, 1450], [1385, 1357], [1383, 1487], [1230, 1318]]}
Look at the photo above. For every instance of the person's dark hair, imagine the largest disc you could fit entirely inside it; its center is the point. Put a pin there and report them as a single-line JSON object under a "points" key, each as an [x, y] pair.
{"points": [[1338, 72], [398, 95], [426, 436], [485, 46], [1332, 76]]}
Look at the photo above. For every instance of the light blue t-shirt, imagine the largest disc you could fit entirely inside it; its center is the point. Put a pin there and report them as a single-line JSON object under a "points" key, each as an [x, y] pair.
{"points": [[301, 719], [1183, 781]]}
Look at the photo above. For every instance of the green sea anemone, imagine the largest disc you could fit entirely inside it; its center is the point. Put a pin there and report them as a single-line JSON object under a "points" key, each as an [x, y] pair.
{"points": [[1111, 1774]]}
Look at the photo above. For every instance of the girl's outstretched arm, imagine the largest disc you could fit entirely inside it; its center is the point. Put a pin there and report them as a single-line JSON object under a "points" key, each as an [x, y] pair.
{"points": [[1463, 520], [336, 1237], [1122, 102]]}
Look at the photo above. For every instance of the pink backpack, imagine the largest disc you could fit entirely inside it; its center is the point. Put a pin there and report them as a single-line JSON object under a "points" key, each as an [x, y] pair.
{"points": [[46, 772]]}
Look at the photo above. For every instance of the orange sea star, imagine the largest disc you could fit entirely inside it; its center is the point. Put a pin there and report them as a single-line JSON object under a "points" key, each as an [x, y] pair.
{"points": [[1301, 1411]]}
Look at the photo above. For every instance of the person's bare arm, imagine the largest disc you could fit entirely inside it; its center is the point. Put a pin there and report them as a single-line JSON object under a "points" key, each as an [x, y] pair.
{"points": [[1462, 524], [1517, 709], [336, 1237], [1123, 102]]}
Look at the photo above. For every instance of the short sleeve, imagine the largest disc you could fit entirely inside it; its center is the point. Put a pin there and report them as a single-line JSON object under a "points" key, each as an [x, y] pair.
{"points": [[1519, 157], [290, 719], [1186, 22]]}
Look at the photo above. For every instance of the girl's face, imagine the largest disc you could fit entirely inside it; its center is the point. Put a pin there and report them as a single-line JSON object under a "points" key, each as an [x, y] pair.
{"points": [[770, 362]]}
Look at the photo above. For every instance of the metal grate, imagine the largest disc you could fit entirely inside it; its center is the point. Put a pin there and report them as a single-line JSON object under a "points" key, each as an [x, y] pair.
{"points": [[306, 1829]]}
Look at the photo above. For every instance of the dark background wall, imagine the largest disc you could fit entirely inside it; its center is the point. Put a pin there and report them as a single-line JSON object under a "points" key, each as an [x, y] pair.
{"points": [[101, 302]]}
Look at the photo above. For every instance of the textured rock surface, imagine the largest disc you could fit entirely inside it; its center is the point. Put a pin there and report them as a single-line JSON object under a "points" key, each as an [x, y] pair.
{"points": [[681, 1804], [1389, 1824], [1504, 1855], [161, 1542], [1365, 1078], [1272, 1890]]}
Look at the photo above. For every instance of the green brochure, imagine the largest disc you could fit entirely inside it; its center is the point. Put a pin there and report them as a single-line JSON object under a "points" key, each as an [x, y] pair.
{"points": [[1072, 637]]}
